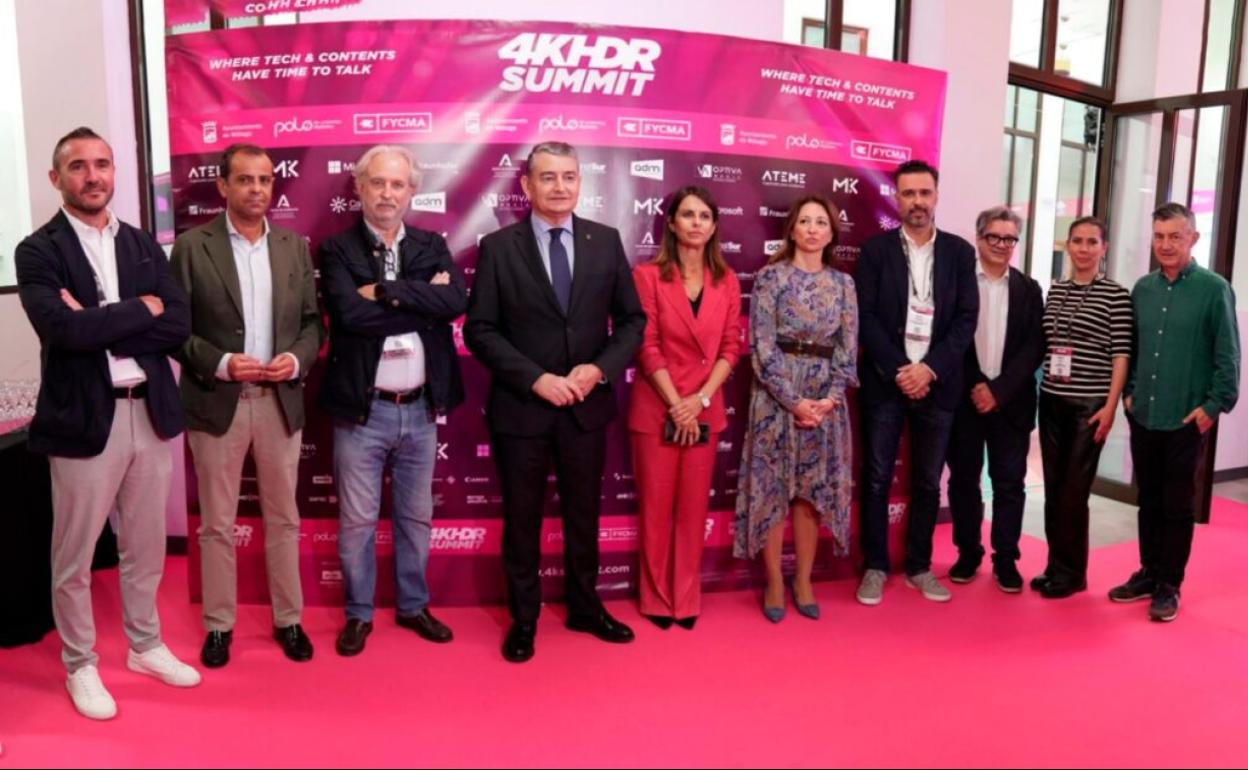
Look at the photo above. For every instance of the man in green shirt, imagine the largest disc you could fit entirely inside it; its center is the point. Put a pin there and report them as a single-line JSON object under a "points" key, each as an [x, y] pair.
{"points": [[1184, 374]]}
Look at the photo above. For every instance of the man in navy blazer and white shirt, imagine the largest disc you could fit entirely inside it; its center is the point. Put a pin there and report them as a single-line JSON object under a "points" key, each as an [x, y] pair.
{"points": [[918, 305]]}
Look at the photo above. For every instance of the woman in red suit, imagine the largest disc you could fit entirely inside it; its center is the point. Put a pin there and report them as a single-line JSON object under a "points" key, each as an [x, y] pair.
{"points": [[692, 340]]}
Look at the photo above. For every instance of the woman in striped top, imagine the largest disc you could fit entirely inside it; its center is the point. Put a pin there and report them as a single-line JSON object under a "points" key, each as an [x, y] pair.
{"points": [[1088, 331]]}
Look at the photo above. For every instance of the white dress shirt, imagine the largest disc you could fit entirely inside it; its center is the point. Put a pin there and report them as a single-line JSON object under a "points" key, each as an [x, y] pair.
{"points": [[100, 246], [255, 284], [994, 312], [920, 263], [402, 365]]}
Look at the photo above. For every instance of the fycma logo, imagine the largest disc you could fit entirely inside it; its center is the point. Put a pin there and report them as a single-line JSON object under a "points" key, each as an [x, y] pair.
{"points": [[778, 178], [890, 153], [654, 128], [393, 123], [647, 169], [730, 174], [579, 64], [651, 206], [434, 203]]}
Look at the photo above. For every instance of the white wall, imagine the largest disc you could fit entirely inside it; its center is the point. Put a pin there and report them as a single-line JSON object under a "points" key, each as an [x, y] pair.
{"points": [[970, 39], [1160, 52]]}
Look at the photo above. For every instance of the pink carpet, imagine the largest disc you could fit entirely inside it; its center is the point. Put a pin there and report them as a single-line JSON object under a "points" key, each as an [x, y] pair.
{"points": [[988, 680]]}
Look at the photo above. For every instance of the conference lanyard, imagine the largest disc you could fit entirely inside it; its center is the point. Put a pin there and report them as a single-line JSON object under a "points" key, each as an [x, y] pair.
{"points": [[1062, 357]]}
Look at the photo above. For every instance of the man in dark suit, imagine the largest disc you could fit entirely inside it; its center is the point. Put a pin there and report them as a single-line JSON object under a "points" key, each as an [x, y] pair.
{"points": [[255, 334], [556, 319], [918, 305], [999, 410], [391, 291], [108, 314]]}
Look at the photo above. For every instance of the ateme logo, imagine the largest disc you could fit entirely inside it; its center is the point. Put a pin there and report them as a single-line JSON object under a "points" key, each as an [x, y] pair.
{"points": [[654, 128], [432, 202], [201, 174], [559, 123], [242, 535], [771, 248], [393, 123], [651, 206], [579, 64], [847, 185], [457, 538], [777, 178], [647, 169], [720, 173], [808, 142], [287, 169]]}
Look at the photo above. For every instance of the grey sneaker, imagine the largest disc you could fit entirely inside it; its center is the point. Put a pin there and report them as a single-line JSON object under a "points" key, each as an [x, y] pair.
{"points": [[932, 588], [871, 589]]}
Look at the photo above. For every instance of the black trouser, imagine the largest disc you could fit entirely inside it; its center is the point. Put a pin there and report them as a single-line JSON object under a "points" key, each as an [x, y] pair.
{"points": [[1070, 460], [523, 464], [1165, 472], [1007, 446]]}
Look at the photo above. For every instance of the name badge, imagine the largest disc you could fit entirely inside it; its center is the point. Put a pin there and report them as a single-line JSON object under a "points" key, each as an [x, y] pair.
{"points": [[398, 347], [919, 322], [1061, 362]]}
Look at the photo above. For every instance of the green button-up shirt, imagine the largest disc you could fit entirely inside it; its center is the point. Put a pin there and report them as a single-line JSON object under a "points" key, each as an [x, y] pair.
{"points": [[1186, 347]]}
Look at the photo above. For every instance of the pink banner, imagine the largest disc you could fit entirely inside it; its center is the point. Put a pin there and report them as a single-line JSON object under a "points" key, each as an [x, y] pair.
{"points": [[757, 123]]}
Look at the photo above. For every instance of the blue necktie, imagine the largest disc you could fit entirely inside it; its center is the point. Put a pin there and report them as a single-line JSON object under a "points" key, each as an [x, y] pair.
{"points": [[560, 272]]}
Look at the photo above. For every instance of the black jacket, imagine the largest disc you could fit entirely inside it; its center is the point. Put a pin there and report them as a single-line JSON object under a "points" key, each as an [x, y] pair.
{"points": [[517, 329], [883, 281], [359, 327], [1015, 388], [74, 414]]}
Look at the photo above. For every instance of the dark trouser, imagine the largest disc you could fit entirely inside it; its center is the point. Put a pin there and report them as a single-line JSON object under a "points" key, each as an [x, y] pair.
{"points": [[882, 424], [523, 464], [1070, 462], [1165, 471], [1007, 467]]}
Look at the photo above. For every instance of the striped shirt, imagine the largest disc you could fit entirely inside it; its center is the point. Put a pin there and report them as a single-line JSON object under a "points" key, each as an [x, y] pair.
{"points": [[1095, 322]]}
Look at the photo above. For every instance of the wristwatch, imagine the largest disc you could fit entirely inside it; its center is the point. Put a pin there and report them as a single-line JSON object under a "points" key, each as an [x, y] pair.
{"points": [[706, 402]]}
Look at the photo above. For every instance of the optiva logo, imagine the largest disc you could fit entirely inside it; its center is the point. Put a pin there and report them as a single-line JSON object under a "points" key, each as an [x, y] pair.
{"points": [[647, 169], [578, 64], [431, 202], [776, 178], [771, 248], [720, 173], [808, 142]]}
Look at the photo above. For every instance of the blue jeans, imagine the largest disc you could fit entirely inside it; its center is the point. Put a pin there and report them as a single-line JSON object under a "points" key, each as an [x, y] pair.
{"points": [[930, 427], [407, 437]]}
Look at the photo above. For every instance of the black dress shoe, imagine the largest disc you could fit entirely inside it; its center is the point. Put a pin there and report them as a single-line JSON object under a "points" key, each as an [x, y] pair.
{"points": [[605, 627], [518, 646], [427, 626], [295, 643], [351, 639], [660, 621], [687, 623], [1040, 581], [216, 650], [1060, 589]]}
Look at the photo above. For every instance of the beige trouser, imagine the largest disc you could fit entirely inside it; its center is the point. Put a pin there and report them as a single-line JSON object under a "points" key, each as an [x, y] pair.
{"points": [[131, 474], [260, 426]]}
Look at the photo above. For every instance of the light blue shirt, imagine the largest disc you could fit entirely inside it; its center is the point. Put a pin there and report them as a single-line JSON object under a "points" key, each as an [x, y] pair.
{"points": [[255, 285], [541, 229]]}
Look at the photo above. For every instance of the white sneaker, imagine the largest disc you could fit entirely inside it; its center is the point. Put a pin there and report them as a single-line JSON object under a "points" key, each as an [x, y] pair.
{"points": [[160, 663], [88, 694]]}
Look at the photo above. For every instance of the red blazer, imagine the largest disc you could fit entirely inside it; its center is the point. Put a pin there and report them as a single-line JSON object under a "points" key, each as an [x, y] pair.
{"points": [[687, 347]]}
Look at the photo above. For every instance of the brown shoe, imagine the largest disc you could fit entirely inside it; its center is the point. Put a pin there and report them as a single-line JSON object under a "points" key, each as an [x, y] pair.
{"points": [[427, 626], [351, 640]]}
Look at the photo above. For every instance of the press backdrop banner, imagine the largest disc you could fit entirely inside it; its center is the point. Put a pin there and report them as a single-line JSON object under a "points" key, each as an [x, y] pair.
{"points": [[757, 123]]}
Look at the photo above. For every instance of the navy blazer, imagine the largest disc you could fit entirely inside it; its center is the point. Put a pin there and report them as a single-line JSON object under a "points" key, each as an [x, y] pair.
{"points": [[74, 414], [1015, 387], [883, 280], [358, 327], [517, 329]]}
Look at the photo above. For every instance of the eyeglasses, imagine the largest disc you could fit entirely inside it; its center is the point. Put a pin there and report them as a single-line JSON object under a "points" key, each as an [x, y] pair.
{"points": [[1000, 240]]}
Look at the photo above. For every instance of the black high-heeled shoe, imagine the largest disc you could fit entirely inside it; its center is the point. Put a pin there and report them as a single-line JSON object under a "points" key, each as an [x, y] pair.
{"points": [[687, 623], [660, 621]]}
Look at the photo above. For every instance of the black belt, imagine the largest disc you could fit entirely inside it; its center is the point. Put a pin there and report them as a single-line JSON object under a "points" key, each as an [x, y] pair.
{"points": [[131, 393], [399, 398], [803, 348]]}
